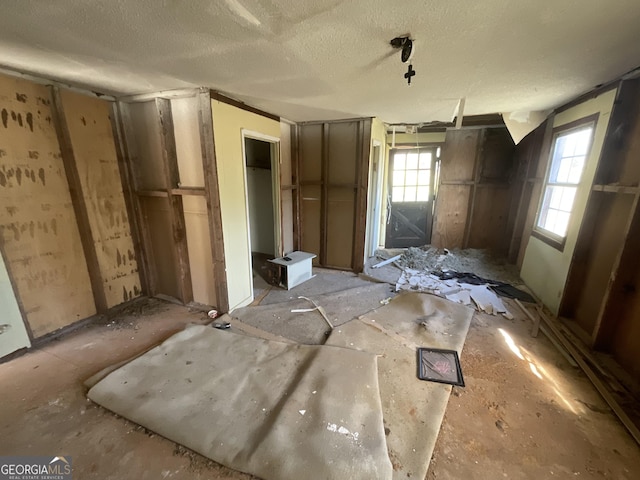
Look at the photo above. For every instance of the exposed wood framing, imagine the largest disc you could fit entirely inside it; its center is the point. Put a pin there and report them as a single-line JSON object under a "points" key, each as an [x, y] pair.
{"points": [[324, 209], [242, 106], [77, 200], [295, 180], [212, 195], [477, 168], [176, 212], [169, 94], [146, 252], [600, 386], [131, 202], [362, 177]]}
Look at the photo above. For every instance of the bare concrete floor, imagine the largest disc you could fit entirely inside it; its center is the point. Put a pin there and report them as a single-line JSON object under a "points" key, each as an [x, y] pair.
{"points": [[524, 413]]}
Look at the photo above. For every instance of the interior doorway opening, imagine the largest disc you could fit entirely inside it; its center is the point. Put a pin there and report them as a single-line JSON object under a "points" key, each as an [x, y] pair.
{"points": [[374, 200], [262, 190]]}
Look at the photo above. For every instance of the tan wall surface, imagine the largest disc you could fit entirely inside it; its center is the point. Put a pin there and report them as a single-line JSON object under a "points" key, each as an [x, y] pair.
{"points": [[228, 123], [93, 144], [545, 268], [38, 227], [199, 245]]}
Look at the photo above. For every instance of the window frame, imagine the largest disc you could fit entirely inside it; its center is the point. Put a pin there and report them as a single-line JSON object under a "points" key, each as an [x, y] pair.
{"points": [[432, 150], [556, 241]]}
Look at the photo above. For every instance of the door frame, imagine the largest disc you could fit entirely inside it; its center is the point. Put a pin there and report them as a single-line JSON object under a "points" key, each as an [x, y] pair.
{"points": [[434, 179], [275, 193], [374, 201]]}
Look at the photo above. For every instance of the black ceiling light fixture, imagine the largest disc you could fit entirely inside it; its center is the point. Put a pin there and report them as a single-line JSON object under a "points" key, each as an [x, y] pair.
{"points": [[405, 44]]}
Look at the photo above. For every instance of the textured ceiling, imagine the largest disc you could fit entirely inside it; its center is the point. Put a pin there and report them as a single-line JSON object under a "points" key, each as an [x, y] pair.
{"points": [[327, 59]]}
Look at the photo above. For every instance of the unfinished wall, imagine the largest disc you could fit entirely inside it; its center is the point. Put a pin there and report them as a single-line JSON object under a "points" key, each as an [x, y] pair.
{"points": [[38, 226], [143, 135], [89, 124], [334, 160], [191, 176], [474, 191], [228, 124], [544, 267]]}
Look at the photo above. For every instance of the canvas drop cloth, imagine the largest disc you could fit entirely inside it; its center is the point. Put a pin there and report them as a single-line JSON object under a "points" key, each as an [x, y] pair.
{"points": [[412, 409], [275, 410]]}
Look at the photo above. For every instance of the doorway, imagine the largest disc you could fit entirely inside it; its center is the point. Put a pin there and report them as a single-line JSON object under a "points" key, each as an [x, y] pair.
{"points": [[263, 210], [411, 197], [374, 200]]}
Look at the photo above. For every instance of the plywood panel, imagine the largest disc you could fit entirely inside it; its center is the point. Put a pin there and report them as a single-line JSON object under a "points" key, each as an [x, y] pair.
{"points": [[497, 156], [490, 215], [451, 216], [97, 163], [340, 226], [37, 223], [459, 155], [148, 146], [343, 152], [310, 138], [605, 243], [162, 256], [186, 130], [311, 207], [199, 245]]}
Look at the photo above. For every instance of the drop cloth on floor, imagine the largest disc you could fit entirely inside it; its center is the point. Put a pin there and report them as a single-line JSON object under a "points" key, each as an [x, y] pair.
{"points": [[276, 410]]}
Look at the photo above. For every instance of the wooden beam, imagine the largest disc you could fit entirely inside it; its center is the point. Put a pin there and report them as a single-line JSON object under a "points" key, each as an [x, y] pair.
{"points": [[168, 94], [295, 179], [77, 200], [182, 191], [242, 106], [324, 197], [176, 211], [153, 193], [536, 321], [360, 206], [131, 203], [212, 195], [600, 386], [131, 158]]}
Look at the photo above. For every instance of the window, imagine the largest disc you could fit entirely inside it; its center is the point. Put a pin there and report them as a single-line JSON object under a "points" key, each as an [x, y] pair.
{"points": [[568, 159], [411, 180]]}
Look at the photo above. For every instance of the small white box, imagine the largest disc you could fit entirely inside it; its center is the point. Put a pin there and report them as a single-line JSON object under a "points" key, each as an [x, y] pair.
{"points": [[295, 270]]}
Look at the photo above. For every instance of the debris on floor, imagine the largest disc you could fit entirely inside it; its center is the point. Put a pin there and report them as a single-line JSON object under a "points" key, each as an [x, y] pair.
{"points": [[481, 296], [469, 277]]}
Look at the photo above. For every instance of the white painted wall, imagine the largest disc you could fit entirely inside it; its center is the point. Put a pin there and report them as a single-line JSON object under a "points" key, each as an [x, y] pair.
{"points": [[228, 125], [13, 334], [545, 268]]}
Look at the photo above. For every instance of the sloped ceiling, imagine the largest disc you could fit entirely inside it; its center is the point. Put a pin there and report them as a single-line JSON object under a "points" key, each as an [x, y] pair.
{"points": [[329, 59]]}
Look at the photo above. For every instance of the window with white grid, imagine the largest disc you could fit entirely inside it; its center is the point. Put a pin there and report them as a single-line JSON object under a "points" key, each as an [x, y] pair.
{"points": [[411, 180], [569, 156]]}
